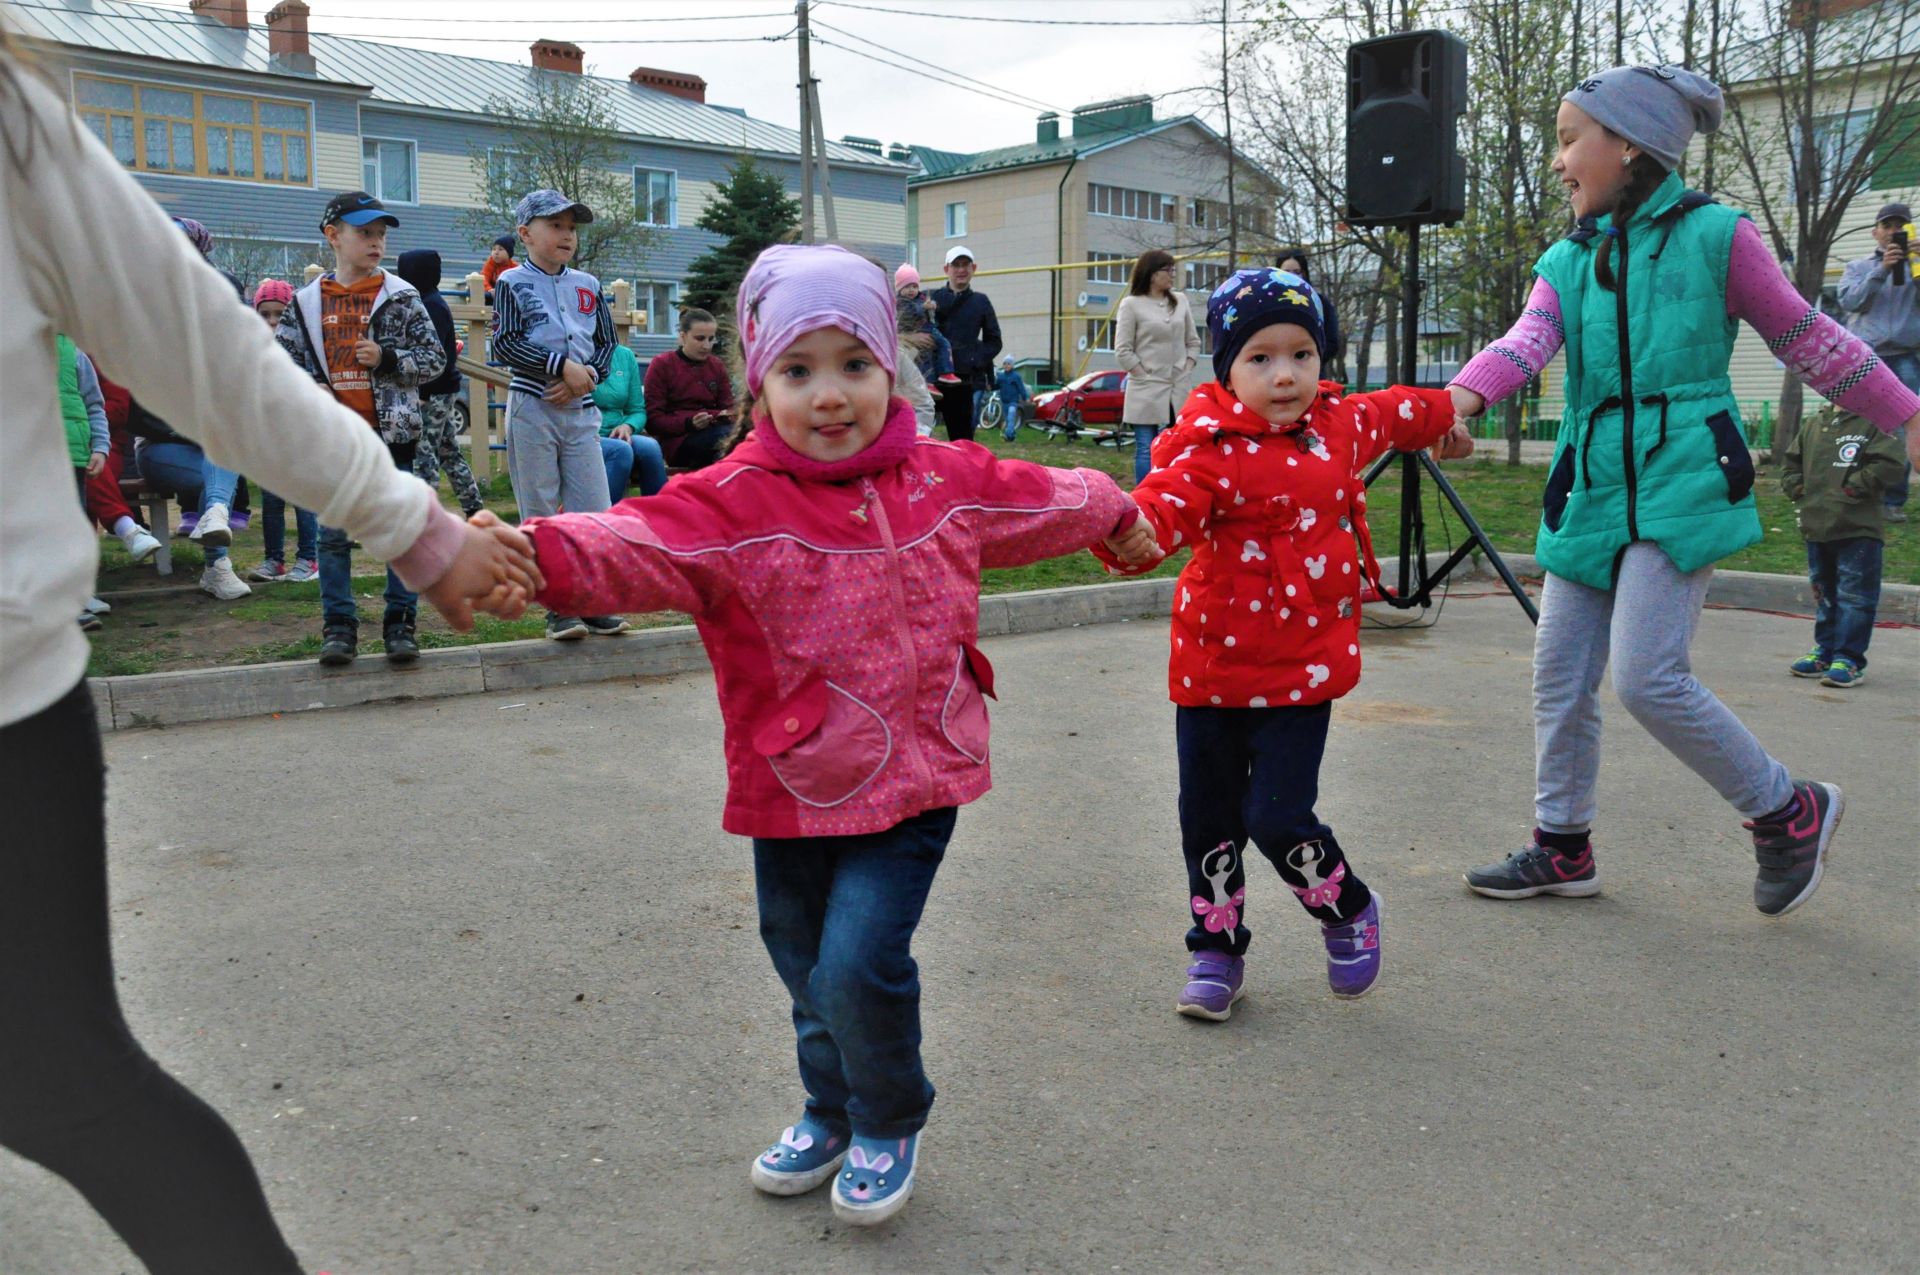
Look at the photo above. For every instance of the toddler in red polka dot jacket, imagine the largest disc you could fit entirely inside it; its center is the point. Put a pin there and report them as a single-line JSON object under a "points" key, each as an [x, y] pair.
{"points": [[1260, 475]]}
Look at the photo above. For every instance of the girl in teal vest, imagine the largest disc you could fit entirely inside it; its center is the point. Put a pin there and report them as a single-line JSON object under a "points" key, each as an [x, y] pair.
{"points": [[1652, 481]]}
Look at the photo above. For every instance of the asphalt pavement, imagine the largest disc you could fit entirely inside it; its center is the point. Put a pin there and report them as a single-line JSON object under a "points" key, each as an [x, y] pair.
{"points": [[478, 982]]}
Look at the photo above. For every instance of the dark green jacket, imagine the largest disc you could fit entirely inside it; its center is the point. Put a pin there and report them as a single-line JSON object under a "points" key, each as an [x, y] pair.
{"points": [[1651, 447], [1835, 470]]}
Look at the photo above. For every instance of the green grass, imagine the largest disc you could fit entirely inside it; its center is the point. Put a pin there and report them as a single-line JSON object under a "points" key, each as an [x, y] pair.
{"points": [[282, 621]]}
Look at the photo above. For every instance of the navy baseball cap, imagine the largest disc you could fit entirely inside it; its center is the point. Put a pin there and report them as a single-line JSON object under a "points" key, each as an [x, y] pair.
{"points": [[549, 203], [356, 208]]}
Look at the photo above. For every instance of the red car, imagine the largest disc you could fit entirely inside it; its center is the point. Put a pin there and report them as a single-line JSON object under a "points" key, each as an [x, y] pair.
{"points": [[1096, 398]]}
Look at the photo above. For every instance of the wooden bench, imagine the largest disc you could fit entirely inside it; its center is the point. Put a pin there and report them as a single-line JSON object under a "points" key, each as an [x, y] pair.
{"points": [[153, 500]]}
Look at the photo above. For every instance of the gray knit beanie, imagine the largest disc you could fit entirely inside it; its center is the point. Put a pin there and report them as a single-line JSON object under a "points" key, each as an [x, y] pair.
{"points": [[1657, 108]]}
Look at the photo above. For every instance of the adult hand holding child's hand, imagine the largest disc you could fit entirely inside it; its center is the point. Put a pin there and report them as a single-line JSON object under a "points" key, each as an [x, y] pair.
{"points": [[493, 572], [1455, 444]]}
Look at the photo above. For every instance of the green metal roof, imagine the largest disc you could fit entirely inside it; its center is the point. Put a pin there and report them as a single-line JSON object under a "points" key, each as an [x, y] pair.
{"points": [[941, 165]]}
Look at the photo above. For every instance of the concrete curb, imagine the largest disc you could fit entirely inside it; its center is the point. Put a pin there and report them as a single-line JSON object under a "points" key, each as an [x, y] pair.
{"points": [[249, 690]]}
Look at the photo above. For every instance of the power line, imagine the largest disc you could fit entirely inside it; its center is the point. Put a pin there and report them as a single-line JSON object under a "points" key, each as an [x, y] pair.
{"points": [[499, 22], [1038, 22], [995, 95], [907, 57], [198, 24]]}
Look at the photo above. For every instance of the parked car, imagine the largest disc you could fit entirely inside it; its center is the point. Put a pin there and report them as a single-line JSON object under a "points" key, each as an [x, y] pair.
{"points": [[1097, 398]]}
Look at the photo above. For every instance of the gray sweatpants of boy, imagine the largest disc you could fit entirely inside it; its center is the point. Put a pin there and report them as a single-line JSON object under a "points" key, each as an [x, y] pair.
{"points": [[1645, 625], [553, 457]]}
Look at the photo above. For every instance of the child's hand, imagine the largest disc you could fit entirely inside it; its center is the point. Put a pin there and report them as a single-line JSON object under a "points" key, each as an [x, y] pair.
{"points": [[1466, 404], [494, 572], [96, 463], [1456, 443], [578, 378], [1136, 545], [1913, 440], [367, 353], [558, 393]]}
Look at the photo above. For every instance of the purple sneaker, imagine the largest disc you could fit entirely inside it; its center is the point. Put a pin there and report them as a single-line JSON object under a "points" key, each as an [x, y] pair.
{"points": [[1353, 952], [1213, 985]]}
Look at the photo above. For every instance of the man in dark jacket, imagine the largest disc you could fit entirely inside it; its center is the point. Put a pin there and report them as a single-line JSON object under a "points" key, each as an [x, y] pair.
{"points": [[970, 325], [440, 422]]}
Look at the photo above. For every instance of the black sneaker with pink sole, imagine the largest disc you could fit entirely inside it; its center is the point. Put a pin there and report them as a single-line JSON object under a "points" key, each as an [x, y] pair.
{"points": [[1791, 847]]}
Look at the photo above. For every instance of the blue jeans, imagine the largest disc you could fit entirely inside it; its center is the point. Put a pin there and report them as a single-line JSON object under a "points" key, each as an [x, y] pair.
{"points": [[837, 915], [273, 529], [1011, 408], [1906, 367], [637, 459], [184, 469], [1845, 575], [337, 604], [938, 361], [1143, 436]]}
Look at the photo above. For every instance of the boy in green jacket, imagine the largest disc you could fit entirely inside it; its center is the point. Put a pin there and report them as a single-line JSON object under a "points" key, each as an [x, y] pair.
{"points": [[628, 451], [1835, 471]]}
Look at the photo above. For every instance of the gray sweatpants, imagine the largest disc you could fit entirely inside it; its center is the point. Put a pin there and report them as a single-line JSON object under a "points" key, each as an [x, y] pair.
{"points": [[1645, 624], [553, 457]]}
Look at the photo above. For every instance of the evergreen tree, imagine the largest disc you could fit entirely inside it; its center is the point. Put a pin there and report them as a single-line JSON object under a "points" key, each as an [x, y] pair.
{"points": [[753, 210]]}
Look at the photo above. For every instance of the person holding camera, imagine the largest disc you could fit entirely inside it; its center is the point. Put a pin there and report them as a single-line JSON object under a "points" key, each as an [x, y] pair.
{"points": [[1878, 293]]}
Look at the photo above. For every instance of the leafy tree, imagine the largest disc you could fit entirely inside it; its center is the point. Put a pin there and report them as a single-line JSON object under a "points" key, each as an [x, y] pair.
{"points": [[753, 210], [562, 134]]}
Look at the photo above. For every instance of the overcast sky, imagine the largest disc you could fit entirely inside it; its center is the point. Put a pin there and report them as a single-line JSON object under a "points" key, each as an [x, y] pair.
{"points": [[891, 98]]}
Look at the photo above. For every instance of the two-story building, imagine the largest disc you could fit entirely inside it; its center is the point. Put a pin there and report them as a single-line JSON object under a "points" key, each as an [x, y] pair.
{"points": [[249, 128], [1069, 213]]}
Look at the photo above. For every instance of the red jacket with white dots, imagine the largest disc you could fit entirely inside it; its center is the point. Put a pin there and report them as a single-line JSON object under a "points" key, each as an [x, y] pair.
{"points": [[1267, 614]]}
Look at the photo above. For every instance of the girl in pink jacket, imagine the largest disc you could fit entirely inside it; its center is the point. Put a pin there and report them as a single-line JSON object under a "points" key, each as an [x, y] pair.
{"points": [[832, 562]]}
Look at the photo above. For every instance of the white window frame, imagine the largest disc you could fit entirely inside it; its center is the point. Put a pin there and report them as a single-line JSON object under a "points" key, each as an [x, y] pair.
{"points": [[1838, 138], [1097, 328], [224, 90], [669, 311], [1110, 268], [413, 167], [508, 154], [1130, 203], [645, 206], [956, 227]]}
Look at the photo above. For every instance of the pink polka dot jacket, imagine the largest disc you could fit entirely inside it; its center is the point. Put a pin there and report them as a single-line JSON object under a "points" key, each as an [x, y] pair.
{"points": [[1267, 612], [840, 616]]}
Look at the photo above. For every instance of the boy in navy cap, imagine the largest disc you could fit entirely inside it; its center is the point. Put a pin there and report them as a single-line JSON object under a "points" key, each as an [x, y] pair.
{"points": [[550, 327], [364, 334]]}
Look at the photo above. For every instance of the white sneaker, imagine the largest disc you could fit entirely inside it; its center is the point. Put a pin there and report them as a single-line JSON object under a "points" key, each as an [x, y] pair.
{"points": [[140, 544], [96, 607], [213, 527], [302, 570], [220, 581]]}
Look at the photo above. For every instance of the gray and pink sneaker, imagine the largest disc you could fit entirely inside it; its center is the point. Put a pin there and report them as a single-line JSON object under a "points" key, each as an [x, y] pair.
{"points": [[1213, 985], [1792, 849], [1353, 952]]}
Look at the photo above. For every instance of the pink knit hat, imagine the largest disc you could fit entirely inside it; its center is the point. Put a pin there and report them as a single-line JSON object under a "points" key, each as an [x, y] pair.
{"points": [[905, 275], [793, 289], [272, 290]]}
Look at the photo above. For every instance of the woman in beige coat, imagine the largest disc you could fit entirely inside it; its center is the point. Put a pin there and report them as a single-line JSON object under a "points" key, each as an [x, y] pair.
{"points": [[1156, 342]]}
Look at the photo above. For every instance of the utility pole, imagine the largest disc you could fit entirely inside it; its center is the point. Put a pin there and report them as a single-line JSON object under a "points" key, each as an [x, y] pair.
{"points": [[1619, 31], [806, 124], [813, 137], [1226, 106]]}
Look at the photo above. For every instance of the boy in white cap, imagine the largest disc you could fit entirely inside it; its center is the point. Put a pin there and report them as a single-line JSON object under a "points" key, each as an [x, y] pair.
{"points": [[550, 327]]}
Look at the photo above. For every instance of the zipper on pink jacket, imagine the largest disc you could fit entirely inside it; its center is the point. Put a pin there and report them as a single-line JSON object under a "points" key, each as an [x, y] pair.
{"points": [[922, 772]]}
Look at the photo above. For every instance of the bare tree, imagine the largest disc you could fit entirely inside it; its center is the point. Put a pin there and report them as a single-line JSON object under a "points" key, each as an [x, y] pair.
{"points": [[1823, 95], [563, 135]]}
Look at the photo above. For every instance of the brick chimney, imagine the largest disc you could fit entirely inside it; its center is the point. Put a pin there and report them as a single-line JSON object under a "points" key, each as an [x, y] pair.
{"points": [[558, 55], [679, 83], [287, 37], [231, 12]]}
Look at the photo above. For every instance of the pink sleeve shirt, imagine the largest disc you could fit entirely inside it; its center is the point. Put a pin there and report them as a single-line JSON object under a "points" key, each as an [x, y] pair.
{"points": [[1814, 347]]}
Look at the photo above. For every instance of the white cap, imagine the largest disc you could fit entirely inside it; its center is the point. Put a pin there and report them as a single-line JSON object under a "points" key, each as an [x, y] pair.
{"points": [[958, 251]]}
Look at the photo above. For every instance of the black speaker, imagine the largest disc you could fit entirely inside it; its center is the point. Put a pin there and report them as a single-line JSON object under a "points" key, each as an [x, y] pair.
{"points": [[1405, 96]]}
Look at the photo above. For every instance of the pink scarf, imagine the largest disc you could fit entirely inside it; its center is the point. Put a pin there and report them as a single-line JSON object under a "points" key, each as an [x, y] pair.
{"points": [[896, 440]]}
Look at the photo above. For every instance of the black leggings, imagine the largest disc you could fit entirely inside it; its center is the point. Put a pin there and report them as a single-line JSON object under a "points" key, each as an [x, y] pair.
{"points": [[702, 447], [77, 1093]]}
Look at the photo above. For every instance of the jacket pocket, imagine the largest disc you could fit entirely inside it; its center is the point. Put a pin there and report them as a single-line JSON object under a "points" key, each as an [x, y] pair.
{"points": [[824, 744], [1736, 462], [963, 717], [1553, 503]]}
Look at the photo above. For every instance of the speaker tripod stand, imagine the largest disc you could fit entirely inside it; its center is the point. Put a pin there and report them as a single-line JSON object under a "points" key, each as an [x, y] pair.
{"points": [[1416, 582]]}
